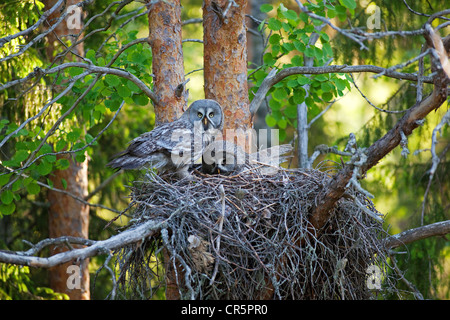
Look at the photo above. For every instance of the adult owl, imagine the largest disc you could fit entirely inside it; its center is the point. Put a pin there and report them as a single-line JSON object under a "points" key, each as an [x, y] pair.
{"points": [[176, 145], [226, 158]]}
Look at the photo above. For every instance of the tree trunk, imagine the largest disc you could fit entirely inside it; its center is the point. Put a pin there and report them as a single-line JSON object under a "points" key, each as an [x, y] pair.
{"points": [[67, 216], [166, 41], [165, 38], [225, 63]]}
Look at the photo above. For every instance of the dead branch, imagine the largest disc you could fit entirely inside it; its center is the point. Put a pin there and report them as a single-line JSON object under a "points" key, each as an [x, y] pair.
{"points": [[378, 150], [273, 77], [93, 248], [432, 230]]}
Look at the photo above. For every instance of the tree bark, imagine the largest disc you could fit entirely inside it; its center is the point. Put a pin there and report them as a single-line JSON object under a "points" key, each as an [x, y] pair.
{"points": [[165, 38], [167, 64], [441, 228], [225, 61], [67, 216]]}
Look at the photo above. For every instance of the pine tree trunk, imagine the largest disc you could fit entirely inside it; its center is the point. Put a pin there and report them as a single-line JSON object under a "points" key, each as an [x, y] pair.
{"points": [[67, 216], [165, 39], [225, 63]]}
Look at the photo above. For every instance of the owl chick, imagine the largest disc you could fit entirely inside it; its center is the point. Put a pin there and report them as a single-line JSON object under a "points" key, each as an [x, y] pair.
{"points": [[176, 145], [225, 157]]}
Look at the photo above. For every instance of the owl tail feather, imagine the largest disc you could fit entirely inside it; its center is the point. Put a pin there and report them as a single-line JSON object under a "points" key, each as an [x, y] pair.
{"points": [[126, 162]]}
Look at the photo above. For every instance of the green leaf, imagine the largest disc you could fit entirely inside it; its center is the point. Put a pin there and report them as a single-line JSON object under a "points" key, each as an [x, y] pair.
{"points": [[62, 164], [297, 60], [291, 111], [91, 55], [44, 168], [64, 183], [327, 96], [350, 4], [113, 104], [321, 77], [89, 139], [270, 120], [275, 39], [268, 59], [7, 209], [288, 46], [75, 71], [282, 123], [20, 155], [331, 13], [123, 91], [112, 80], [292, 83], [80, 156], [309, 52], [274, 104], [275, 24], [326, 86], [327, 49], [50, 183], [299, 95], [324, 37], [340, 84], [266, 8], [33, 188], [4, 179], [60, 145], [46, 148], [261, 25], [279, 94], [7, 197], [290, 14], [73, 136], [302, 80], [132, 86], [140, 100], [300, 46]]}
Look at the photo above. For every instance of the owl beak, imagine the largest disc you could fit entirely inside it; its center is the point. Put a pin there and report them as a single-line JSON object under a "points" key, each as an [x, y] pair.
{"points": [[205, 123]]}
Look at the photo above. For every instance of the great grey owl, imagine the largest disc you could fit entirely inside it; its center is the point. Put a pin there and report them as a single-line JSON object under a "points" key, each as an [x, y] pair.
{"points": [[176, 145], [226, 158]]}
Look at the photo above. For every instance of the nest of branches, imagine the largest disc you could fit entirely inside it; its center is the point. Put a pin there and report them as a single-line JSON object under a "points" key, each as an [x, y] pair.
{"points": [[248, 236]]}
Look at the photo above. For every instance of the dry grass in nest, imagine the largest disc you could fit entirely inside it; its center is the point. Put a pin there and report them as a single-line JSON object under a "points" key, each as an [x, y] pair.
{"points": [[248, 237]]}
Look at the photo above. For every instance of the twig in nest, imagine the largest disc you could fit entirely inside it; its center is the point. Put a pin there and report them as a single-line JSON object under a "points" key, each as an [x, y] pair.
{"points": [[221, 220]]}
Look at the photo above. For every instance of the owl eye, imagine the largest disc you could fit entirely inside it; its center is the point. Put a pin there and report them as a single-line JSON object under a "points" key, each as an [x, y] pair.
{"points": [[200, 115], [211, 115]]}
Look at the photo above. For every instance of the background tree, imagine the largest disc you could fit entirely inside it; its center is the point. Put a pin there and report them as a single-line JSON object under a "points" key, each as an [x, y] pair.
{"points": [[300, 77], [67, 216]]}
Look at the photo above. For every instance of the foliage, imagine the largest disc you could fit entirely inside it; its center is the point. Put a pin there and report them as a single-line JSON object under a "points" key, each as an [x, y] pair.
{"points": [[289, 45], [16, 284], [29, 158]]}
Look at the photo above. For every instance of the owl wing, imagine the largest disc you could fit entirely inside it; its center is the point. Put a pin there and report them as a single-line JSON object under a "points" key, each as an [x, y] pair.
{"points": [[152, 148]]}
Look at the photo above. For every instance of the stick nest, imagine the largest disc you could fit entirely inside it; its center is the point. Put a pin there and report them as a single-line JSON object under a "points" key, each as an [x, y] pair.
{"points": [[248, 237]]}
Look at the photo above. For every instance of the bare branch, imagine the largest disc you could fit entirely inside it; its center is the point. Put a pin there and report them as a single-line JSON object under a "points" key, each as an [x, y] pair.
{"points": [[90, 69], [358, 39], [94, 248], [273, 77], [432, 230], [411, 120]]}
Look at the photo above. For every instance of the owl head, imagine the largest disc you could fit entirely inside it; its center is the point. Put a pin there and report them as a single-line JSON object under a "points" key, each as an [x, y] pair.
{"points": [[206, 113]]}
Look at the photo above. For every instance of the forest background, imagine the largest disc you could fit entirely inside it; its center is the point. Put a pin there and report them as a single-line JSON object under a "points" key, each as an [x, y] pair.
{"points": [[400, 183]]}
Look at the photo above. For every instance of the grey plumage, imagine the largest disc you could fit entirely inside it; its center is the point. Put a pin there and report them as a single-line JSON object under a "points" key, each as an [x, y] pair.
{"points": [[225, 157], [175, 145]]}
